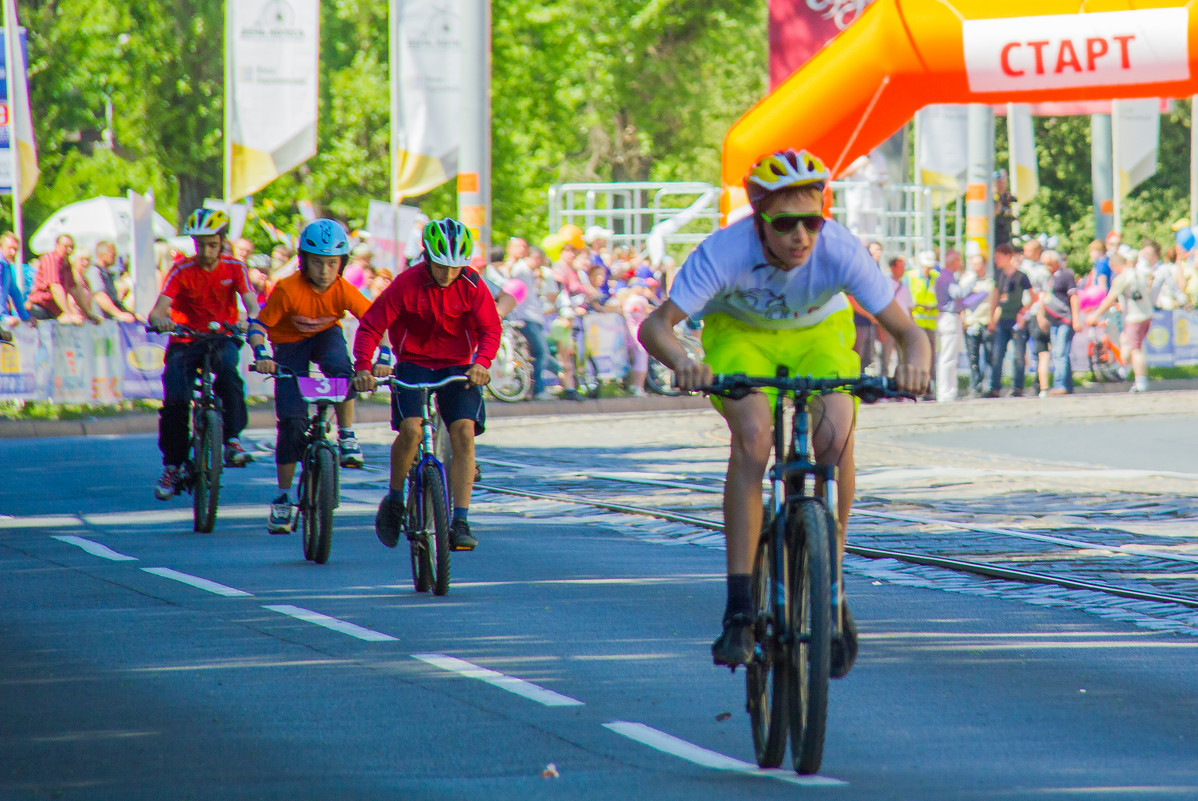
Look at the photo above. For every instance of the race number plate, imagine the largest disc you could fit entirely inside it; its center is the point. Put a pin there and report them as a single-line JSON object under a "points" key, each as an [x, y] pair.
{"points": [[319, 388]]}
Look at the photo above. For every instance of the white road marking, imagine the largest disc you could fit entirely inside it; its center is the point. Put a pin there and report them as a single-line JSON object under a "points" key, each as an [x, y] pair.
{"points": [[510, 683], [95, 548], [669, 744], [196, 581], [330, 622], [40, 521]]}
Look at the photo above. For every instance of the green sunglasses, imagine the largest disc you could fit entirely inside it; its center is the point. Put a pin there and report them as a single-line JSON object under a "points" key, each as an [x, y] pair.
{"points": [[786, 222]]}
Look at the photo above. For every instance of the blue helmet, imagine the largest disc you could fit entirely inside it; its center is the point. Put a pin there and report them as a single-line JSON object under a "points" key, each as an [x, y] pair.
{"points": [[324, 238]]}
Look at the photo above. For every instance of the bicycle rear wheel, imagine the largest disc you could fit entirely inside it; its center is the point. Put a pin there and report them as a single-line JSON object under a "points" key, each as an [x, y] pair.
{"points": [[321, 498], [511, 372], [586, 376], [809, 533], [436, 517], [209, 460], [767, 676]]}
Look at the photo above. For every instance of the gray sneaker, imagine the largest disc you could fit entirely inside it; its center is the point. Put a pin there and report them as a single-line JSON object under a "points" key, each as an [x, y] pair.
{"points": [[844, 650], [387, 522], [460, 538], [734, 646], [350, 453], [279, 521]]}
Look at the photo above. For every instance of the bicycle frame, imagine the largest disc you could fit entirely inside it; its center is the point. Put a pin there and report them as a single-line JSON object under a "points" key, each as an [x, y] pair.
{"points": [[428, 447], [795, 472]]}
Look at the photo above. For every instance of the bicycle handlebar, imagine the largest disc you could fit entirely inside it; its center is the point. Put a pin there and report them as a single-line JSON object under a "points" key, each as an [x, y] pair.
{"points": [[868, 388], [395, 382], [214, 329]]}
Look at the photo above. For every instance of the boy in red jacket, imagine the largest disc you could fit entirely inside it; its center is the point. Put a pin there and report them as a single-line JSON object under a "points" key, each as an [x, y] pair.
{"points": [[442, 321]]}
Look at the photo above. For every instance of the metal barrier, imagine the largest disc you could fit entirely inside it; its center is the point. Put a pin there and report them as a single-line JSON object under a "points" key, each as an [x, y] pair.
{"points": [[631, 209], [905, 218]]}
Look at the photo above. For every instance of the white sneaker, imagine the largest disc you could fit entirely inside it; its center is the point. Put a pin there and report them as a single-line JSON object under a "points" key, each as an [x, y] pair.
{"points": [[544, 395]]}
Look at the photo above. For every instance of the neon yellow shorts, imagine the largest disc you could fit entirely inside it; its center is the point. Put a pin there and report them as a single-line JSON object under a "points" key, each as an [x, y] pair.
{"points": [[822, 351]]}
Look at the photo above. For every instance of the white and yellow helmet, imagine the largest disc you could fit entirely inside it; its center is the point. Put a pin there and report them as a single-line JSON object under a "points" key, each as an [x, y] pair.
{"points": [[205, 222], [783, 170]]}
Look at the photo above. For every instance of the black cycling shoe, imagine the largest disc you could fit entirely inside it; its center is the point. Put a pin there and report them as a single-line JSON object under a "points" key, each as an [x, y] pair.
{"points": [[844, 650], [735, 645], [460, 538], [387, 522]]}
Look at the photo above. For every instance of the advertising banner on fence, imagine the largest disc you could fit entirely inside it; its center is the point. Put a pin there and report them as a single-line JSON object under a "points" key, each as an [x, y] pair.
{"points": [[143, 356], [1185, 336], [607, 341], [25, 368]]}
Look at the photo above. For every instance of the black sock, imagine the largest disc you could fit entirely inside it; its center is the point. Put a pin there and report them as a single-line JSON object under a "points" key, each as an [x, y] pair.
{"points": [[461, 513], [740, 596], [395, 496]]}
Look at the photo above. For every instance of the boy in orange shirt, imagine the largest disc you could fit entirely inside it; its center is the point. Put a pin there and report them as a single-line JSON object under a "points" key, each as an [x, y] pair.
{"points": [[303, 320]]}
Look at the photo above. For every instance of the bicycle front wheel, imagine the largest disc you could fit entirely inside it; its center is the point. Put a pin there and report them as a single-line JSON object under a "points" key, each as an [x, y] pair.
{"points": [[321, 498], [767, 676], [809, 535], [436, 517], [209, 459]]}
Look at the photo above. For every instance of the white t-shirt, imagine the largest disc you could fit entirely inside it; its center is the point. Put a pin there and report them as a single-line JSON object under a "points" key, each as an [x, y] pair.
{"points": [[728, 274], [1128, 284]]}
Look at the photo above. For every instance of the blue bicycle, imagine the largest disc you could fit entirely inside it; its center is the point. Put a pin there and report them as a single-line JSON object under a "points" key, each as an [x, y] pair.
{"points": [[426, 522]]}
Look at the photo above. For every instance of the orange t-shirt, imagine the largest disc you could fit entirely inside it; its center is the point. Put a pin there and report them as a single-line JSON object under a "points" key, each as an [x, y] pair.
{"points": [[296, 311]]}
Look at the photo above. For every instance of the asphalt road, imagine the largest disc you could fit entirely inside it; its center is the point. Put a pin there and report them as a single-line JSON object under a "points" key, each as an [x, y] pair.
{"points": [[561, 643]]}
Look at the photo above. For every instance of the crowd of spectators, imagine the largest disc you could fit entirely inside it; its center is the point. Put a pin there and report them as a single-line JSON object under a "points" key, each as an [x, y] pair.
{"points": [[1030, 303]]}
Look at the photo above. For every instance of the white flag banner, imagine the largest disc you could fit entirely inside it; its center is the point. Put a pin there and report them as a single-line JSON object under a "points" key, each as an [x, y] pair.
{"points": [[18, 114], [389, 227], [427, 82], [143, 267], [1025, 168], [944, 149], [274, 47], [238, 212], [1138, 137]]}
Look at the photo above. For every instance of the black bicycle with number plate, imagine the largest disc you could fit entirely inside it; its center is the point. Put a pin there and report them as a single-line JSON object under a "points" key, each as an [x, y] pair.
{"points": [[796, 575], [426, 521], [320, 470], [200, 475]]}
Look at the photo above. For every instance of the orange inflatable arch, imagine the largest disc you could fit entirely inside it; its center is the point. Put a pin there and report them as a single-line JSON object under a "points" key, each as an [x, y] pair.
{"points": [[902, 55]]}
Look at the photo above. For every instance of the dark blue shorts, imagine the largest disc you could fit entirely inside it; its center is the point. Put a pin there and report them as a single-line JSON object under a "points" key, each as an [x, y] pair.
{"points": [[457, 401]]}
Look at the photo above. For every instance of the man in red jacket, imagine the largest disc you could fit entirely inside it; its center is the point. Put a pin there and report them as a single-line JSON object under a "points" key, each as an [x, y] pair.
{"points": [[442, 321]]}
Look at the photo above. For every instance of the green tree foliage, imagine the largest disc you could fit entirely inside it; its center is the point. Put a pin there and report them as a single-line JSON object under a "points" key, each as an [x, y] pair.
{"points": [[582, 90]]}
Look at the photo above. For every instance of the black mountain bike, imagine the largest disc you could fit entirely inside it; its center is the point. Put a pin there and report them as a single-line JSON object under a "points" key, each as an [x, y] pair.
{"points": [[796, 575], [319, 490], [426, 522], [200, 475]]}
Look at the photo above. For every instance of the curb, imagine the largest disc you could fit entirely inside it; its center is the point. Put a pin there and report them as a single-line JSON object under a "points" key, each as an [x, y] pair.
{"points": [[263, 416]]}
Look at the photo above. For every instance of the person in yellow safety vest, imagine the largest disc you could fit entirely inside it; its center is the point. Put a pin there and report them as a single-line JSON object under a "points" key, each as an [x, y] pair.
{"points": [[926, 311]]}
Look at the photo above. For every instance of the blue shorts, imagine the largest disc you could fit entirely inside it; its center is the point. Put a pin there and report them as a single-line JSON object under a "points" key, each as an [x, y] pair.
{"points": [[457, 401]]}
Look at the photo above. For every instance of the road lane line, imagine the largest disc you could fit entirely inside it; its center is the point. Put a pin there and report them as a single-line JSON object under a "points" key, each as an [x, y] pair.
{"points": [[510, 683], [94, 548], [196, 581], [40, 521], [669, 744], [333, 623]]}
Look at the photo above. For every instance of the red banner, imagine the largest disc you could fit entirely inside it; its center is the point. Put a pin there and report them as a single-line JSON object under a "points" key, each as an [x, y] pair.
{"points": [[799, 28]]}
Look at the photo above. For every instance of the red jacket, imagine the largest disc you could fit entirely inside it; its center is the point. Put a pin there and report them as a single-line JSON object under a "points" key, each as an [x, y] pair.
{"points": [[431, 325]]}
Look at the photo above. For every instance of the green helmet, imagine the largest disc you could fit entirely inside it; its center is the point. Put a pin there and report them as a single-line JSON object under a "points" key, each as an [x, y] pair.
{"points": [[448, 242]]}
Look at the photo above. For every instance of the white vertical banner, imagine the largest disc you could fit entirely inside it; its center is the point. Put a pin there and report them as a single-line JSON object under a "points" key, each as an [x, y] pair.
{"points": [[143, 267], [943, 149], [1136, 126], [426, 82], [1025, 167], [389, 227], [15, 113], [274, 52]]}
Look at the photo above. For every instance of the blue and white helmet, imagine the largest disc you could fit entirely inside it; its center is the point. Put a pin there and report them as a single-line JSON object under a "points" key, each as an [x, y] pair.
{"points": [[324, 238]]}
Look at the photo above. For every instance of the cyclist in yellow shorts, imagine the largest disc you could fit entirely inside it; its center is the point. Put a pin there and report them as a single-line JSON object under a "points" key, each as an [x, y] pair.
{"points": [[771, 289]]}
